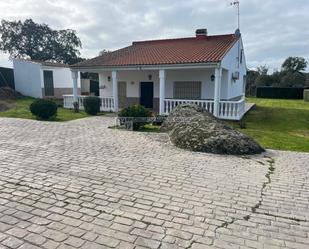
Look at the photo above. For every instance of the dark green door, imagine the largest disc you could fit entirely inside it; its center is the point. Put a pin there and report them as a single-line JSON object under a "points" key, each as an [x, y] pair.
{"points": [[94, 88], [48, 83], [146, 91]]}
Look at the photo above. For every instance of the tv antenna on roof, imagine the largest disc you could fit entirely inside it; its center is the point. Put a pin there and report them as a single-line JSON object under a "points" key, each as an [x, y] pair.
{"points": [[236, 3]]}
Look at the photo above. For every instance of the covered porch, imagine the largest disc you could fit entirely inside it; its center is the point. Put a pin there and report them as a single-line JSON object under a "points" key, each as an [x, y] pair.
{"points": [[211, 87]]}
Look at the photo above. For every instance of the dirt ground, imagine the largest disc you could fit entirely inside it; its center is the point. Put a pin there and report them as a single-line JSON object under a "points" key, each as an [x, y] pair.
{"points": [[7, 98]]}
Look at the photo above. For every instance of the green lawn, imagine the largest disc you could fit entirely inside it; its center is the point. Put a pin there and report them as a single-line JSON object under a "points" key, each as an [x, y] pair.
{"points": [[279, 124], [150, 128], [21, 110]]}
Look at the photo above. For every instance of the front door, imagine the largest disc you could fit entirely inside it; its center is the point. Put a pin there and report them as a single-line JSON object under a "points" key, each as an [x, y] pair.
{"points": [[122, 94], [94, 88], [146, 94], [48, 83]]}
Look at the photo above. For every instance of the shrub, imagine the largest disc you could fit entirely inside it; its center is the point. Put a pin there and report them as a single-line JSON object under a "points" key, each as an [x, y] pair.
{"points": [[58, 102], [136, 115], [44, 109], [92, 105]]}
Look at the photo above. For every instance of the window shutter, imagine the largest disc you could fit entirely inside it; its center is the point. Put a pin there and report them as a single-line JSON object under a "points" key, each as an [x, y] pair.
{"points": [[187, 90]]}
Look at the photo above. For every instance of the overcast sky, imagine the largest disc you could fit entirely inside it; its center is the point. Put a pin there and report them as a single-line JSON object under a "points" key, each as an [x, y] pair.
{"points": [[272, 29]]}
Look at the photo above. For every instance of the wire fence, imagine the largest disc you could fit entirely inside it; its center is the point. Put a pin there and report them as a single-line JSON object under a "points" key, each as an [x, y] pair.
{"points": [[7, 77]]}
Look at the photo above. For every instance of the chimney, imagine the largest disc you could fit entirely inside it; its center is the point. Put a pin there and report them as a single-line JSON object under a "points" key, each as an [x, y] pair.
{"points": [[200, 33], [237, 33]]}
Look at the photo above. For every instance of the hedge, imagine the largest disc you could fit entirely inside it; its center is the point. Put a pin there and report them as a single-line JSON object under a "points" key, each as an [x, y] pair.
{"points": [[280, 92]]}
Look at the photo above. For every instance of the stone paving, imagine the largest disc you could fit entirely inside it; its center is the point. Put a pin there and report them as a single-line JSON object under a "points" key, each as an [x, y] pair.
{"points": [[81, 185]]}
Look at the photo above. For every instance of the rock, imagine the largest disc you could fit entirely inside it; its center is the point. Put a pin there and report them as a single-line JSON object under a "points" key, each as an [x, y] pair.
{"points": [[191, 127]]}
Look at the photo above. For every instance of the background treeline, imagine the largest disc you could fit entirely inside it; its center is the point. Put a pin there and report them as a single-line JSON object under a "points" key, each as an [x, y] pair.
{"points": [[291, 75]]}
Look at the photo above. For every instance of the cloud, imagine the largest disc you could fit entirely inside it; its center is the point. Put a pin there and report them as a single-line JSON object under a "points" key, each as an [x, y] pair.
{"points": [[272, 30]]}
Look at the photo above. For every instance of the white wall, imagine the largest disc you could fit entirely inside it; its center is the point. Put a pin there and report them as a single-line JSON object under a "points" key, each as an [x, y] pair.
{"points": [[133, 79], [27, 77], [62, 77], [202, 75], [229, 88], [230, 62]]}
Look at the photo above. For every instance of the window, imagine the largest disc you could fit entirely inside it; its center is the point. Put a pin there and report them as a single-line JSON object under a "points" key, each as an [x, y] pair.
{"points": [[187, 90], [241, 55], [48, 83]]}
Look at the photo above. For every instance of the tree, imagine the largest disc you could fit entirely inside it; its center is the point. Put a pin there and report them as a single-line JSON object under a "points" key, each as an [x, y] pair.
{"points": [[263, 70], [104, 51], [250, 82], [294, 64], [263, 79], [292, 79], [30, 40], [291, 75]]}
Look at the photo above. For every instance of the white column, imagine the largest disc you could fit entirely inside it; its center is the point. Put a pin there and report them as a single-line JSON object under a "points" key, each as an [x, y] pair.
{"points": [[162, 90], [75, 87], [217, 92], [115, 90]]}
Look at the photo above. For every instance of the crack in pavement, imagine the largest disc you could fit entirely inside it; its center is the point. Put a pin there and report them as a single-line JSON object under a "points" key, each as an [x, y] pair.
{"points": [[270, 172]]}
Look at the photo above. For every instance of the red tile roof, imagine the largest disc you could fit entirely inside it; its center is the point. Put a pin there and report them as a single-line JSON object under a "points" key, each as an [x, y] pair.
{"points": [[171, 51]]}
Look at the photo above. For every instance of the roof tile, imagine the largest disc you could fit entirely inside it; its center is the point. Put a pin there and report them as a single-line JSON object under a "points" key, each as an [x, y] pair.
{"points": [[169, 51]]}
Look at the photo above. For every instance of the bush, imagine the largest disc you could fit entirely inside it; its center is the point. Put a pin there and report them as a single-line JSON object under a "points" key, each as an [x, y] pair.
{"points": [[136, 115], [92, 105], [58, 102], [44, 109]]}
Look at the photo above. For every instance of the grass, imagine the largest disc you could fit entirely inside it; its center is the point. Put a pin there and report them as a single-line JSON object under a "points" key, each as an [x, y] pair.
{"points": [[279, 124], [21, 110], [150, 128]]}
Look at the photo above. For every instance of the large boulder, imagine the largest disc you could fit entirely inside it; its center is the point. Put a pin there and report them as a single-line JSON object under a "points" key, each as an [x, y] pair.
{"points": [[191, 127]]}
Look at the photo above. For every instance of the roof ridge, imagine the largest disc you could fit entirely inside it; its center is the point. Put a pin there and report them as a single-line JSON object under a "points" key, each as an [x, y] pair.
{"points": [[40, 61], [179, 39]]}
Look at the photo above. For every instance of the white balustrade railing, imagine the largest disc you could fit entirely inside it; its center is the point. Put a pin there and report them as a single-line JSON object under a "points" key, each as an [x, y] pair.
{"points": [[233, 110], [107, 103], [170, 104]]}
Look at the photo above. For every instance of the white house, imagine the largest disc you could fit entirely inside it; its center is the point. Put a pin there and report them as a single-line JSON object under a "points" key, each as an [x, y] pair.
{"points": [[208, 70], [42, 79]]}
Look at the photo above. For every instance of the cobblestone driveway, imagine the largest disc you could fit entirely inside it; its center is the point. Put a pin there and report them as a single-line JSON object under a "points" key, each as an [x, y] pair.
{"points": [[81, 185]]}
